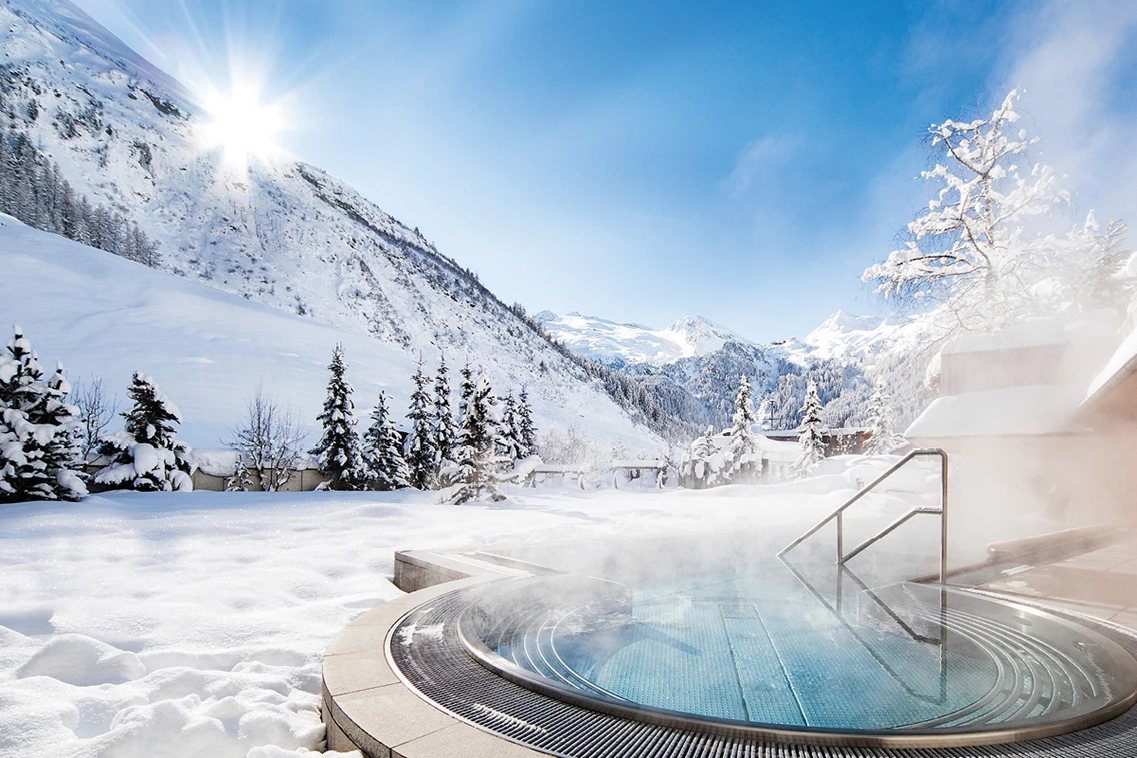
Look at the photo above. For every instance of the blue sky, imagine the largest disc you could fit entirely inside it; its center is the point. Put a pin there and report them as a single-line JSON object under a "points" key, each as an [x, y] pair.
{"points": [[643, 161]]}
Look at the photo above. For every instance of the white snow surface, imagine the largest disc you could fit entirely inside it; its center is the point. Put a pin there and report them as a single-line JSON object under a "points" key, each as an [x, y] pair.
{"points": [[180, 624], [208, 350]]}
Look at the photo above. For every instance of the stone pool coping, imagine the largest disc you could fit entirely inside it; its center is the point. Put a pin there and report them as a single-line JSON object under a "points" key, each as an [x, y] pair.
{"points": [[367, 707]]}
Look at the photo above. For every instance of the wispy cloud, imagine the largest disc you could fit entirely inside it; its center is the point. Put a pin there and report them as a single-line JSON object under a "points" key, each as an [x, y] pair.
{"points": [[1077, 63], [758, 161]]}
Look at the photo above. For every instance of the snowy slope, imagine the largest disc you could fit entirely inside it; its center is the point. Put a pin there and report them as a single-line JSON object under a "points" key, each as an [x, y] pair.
{"points": [[102, 314], [618, 344], [285, 234]]}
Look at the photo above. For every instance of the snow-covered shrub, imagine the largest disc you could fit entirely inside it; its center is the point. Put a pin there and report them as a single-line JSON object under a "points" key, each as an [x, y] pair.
{"points": [[706, 464], [146, 454], [38, 429]]}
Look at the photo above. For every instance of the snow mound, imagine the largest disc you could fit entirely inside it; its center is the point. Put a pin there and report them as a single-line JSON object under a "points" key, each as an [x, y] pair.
{"points": [[81, 660]]}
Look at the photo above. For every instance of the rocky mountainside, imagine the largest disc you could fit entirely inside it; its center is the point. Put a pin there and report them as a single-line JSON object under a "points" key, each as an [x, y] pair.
{"points": [[282, 233]]}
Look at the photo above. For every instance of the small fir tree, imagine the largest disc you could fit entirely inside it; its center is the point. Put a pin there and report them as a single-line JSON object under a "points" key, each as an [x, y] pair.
{"points": [[512, 448], [743, 444], [146, 454], [383, 461], [478, 442], [39, 432], [526, 431], [883, 438], [810, 437], [444, 431], [465, 392], [419, 450], [337, 452]]}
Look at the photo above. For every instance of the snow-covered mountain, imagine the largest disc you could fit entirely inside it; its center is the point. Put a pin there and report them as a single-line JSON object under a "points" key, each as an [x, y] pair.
{"points": [[616, 344], [692, 367], [283, 234], [101, 314]]}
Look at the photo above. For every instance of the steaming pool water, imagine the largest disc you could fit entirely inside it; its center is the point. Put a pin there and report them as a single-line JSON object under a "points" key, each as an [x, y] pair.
{"points": [[808, 647]]}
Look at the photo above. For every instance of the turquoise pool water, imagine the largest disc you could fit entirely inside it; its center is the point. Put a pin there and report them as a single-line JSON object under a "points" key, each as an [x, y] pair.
{"points": [[777, 646]]}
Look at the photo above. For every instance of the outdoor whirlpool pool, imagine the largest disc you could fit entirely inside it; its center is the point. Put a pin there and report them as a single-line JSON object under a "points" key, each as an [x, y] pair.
{"points": [[809, 650]]}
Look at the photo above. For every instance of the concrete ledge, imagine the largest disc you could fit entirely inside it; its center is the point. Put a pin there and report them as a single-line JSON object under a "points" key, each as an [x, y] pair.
{"points": [[367, 707], [417, 569]]}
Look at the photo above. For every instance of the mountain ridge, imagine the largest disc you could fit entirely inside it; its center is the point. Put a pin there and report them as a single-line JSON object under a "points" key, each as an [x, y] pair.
{"points": [[283, 233]]}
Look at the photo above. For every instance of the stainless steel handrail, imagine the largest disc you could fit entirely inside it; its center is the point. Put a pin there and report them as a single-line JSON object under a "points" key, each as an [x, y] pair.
{"points": [[838, 514]]}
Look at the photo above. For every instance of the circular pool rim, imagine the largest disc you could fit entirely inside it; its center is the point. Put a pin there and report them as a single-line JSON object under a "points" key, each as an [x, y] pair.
{"points": [[944, 737]]}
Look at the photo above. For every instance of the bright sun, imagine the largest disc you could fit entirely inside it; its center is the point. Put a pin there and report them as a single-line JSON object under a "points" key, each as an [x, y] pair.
{"points": [[241, 125]]}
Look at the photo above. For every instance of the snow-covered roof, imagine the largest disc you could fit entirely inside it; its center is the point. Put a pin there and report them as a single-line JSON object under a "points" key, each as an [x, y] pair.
{"points": [[1120, 365], [1010, 411], [1036, 332], [223, 461]]}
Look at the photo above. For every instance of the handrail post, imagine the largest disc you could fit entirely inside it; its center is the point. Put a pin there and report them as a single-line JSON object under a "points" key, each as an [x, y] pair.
{"points": [[943, 516], [841, 537]]}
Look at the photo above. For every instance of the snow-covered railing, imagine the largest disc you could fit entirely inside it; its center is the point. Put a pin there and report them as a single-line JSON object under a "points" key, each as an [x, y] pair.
{"points": [[838, 515]]}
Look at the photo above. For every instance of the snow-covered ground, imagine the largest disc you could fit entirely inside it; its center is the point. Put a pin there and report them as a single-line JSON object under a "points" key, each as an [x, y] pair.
{"points": [[194, 624]]}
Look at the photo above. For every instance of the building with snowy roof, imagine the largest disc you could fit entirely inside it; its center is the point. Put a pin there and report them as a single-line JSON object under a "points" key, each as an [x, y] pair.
{"points": [[1011, 414]]}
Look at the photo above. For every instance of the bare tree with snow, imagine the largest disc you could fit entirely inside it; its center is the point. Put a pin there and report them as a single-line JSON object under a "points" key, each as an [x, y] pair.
{"points": [[96, 411], [974, 251], [269, 440]]}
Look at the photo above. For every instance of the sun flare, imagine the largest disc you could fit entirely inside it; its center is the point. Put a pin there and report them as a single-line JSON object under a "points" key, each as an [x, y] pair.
{"points": [[241, 125]]}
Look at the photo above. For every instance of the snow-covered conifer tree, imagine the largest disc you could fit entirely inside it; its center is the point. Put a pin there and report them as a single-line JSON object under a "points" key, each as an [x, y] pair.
{"points": [[526, 431], [418, 450], [444, 432], [478, 442], [883, 438], [38, 429], [383, 461], [465, 391], [337, 451], [511, 446], [146, 454], [810, 437], [743, 451]]}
